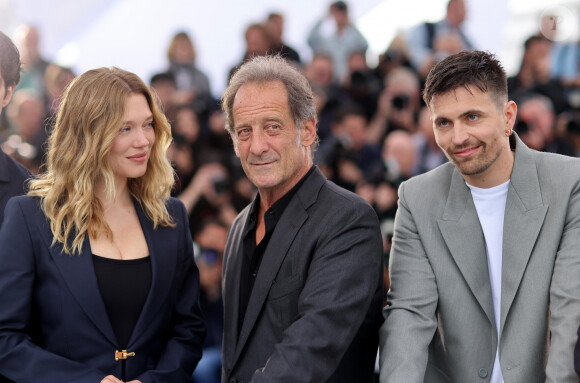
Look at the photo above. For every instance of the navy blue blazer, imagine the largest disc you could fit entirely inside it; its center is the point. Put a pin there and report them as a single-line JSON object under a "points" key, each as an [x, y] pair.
{"points": [[12, 180], [53, 323]]}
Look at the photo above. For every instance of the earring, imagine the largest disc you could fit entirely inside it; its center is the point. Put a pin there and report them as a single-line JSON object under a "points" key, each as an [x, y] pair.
{"points": [[508, 133]]}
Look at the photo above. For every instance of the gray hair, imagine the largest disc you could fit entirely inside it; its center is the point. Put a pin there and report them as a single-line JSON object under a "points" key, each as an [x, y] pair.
{"points": [[272, 68]]}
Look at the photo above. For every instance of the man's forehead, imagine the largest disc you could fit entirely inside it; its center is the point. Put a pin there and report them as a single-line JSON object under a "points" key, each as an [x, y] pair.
{"points": [[258, 98], [459, 95]]}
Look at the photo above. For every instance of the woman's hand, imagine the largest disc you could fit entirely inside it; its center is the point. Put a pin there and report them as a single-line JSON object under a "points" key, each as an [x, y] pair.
{"points": [[111, 379]]}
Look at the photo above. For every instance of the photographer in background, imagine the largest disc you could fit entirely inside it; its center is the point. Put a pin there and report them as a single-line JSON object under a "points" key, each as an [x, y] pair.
{"points": [[210, 244], [398, 105], [345, 157], [536, 123]]}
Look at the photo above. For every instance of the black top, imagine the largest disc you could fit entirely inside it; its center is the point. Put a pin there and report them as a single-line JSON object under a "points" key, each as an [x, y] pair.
{"points": [[124, 286], [253, 253]]}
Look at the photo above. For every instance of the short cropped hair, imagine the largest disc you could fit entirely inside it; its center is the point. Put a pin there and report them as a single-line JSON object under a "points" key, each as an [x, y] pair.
{"points": [[466, 69], [272, 68], [9, 61]]}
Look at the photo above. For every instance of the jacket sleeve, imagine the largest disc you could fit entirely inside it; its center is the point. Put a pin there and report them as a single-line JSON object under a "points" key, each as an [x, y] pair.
{"points": [[410, 316], [343, 276], [20, 359], [565, 298], [184, 348]]}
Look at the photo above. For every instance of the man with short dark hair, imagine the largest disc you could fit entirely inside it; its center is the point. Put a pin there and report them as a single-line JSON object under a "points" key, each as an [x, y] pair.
{"points": [[302, 267], [484, 264], [12, 174]]}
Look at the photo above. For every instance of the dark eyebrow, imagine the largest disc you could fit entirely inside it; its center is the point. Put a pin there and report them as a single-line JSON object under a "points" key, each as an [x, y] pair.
{"points": [[438, 120], [471, 112]]}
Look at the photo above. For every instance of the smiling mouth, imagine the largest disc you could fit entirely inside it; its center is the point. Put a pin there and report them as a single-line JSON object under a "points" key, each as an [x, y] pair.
{"points": [[138, 157], [263, 163], [465, 152]]}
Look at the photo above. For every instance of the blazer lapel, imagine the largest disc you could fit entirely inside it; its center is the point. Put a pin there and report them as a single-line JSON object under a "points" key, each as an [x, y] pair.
{"points": [[464, 238], [78, 273], [162, 244], [231, 290], [290, 223], [524, 217]]}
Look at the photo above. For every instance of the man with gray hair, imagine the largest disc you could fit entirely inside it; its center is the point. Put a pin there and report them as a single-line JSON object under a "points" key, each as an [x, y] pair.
{"points": [[302, 271]]}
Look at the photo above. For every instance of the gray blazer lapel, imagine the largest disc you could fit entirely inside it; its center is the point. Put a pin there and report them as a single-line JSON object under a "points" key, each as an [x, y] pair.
{"points": [[290, 223], [524, 216], [464, 238]]}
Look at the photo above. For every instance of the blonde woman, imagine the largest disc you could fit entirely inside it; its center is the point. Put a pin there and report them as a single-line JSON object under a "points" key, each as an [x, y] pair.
{"points": [[97, 279]]}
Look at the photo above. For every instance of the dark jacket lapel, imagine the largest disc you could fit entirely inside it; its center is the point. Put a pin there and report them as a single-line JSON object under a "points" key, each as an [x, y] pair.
{"points": [[162, 244], [290, 223], [231, 282], [78, 273]]}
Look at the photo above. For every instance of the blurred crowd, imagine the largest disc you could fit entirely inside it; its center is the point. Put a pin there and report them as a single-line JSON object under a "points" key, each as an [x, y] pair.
{"points": [[374, 129]]}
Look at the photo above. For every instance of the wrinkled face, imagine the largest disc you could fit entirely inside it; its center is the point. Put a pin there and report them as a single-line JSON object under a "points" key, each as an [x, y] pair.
{"points": [[470, 128], [272, 152], [132, 147]]}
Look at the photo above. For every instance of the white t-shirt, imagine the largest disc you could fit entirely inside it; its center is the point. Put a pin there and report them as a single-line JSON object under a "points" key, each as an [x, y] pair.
{"points": [[490, 206]]}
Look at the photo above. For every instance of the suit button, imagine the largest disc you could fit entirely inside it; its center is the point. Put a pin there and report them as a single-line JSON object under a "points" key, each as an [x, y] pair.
{"points": [[482, 373]]}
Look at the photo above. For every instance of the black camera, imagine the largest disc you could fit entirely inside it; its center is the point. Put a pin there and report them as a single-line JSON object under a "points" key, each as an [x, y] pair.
{"points": [[521, 127], [400, 101], [221, 185]]}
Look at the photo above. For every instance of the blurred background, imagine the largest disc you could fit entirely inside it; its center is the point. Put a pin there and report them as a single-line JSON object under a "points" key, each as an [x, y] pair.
{"points": [[134, 34]]}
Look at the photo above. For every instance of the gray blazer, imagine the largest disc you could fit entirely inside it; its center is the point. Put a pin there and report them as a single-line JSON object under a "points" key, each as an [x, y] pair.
{"points": [[439, 322], [315, 308]]}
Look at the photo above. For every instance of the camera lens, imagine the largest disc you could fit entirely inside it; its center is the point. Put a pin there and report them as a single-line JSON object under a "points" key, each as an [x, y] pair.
{"points": [[400, 101]]}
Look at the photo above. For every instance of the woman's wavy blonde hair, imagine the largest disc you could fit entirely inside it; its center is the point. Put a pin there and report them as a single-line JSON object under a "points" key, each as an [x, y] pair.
{"points": [[88, 121]]}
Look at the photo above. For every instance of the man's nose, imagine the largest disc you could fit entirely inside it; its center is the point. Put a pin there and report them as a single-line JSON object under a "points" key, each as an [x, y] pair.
{"points": [[460, 134], [259, 142]]}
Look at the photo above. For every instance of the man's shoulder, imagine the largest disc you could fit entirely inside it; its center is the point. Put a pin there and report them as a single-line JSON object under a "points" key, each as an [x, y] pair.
{"points": [[332, 194], [556, 167], [12, 171], [431, 181], [30, 206]]}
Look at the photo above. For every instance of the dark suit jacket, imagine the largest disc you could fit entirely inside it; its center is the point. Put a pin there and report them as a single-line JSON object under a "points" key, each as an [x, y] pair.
{"points": [[53, 322], [315, 307], [12, 180]]}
